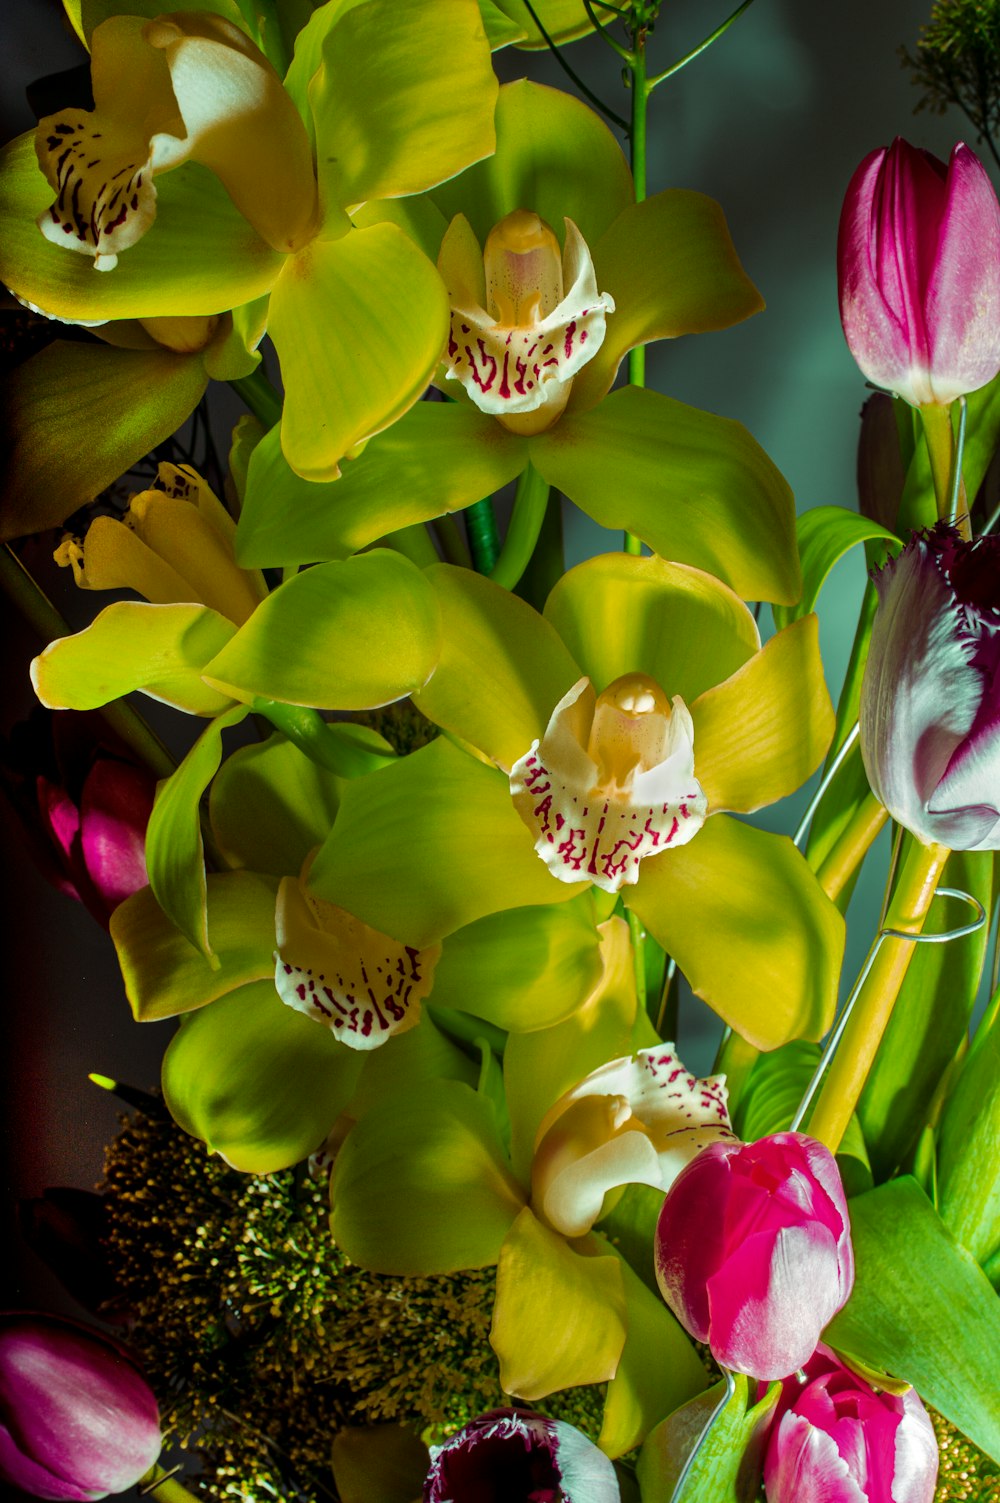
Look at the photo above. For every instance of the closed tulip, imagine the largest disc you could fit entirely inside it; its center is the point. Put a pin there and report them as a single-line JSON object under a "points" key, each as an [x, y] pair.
{"points": [[753, 1251], [918, 263]]}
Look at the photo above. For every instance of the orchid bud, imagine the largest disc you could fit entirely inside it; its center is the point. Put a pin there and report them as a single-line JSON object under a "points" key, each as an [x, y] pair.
{"points": [[834, 1439], [930, 718], [918, 261], [520, 1457], [77, 1418], [753, 1251]]}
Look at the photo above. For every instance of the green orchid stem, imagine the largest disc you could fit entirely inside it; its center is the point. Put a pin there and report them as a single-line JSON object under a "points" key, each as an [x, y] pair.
{"points": [[466, 1029], [914, 892], [484, 539], [547, 564], [636, 63], [638, 935], [735, 1060], [39, 612], [941, 450], [414, 542], [317, 740], [260, 396], [453, 545], [689, 57], [525, 527], [163, 1486]]}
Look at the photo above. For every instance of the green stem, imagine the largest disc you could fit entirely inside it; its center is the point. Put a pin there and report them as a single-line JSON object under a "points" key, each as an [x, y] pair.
{"points": [[466, 1029], [941, 450], [638, 935], [414, 543], [453, 545], [525, 526], [162, 1486], [319, 741], [689, 57], [260, 396], [484, 539], [637, 146], [735, 1060], [547, 564]]}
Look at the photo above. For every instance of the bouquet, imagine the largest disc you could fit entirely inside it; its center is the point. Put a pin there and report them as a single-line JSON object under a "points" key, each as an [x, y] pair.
{"points": [[442, 845]]}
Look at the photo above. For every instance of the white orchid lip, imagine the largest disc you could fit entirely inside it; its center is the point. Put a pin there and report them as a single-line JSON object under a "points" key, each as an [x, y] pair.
{"points": [[525, 317], [610, 782]]}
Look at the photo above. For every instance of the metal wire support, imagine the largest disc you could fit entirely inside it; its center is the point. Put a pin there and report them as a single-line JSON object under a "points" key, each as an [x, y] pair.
{"points": [[676, 1495], [825, 781]]}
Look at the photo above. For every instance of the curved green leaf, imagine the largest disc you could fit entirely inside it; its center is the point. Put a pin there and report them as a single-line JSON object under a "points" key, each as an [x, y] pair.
{"points": [[969, 1146], [728, 1465], [825, 534]]}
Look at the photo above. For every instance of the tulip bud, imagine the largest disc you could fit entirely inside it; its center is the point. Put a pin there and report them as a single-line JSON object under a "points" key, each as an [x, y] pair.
{"points": [[77, 1419], [834, 1439], [918, 261], [521, 1457], [929, 712], [753, 1251]]}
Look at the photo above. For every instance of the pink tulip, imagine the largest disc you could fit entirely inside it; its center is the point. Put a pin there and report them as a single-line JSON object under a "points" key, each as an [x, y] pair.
{"points": [[77, 1418], [834, 1439], [918, 262], [930, 698], [753, 1251], [517, 1456]]}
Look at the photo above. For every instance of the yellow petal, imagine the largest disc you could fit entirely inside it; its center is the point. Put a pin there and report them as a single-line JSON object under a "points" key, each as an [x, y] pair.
{"points": [[113, 557]]}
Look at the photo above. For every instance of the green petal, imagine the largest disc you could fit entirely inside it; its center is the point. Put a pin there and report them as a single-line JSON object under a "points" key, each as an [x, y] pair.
{"points": [[342, 636], [759, 735], [554, 155], [175, 853], [559, 1317], [164, 975], [699, 489], [200, 256], [423, 1187], [160, 649], [750, 927], [359, 324], [825, 534], [379, 1464], [502, 668], [564, 20], [501, 31], [406, 1063], [404, 99], [270, 805], [78, 416], [671, 268], [424, 847], [437, 458], [621, 614], [259, 1083], [525, 969]]}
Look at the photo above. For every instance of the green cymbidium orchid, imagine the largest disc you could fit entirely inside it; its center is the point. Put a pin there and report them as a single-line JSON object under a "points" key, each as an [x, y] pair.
{"points": [[554, 273], [192, 187]]}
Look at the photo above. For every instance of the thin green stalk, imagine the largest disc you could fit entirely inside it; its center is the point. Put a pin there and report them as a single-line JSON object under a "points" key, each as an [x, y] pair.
{"points": [[556, 51], [525, 527], [638, 935], [484, 539], [696, 51], [319, 741], [260, 396], [453, 545], [414, 543], [547, 564], [637, 147], [466, 1029], [735, 1060], [163, 1487]]}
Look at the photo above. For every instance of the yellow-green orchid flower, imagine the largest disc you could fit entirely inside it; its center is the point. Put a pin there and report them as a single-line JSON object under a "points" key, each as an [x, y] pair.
{"points": [[192, 187], [554, 273]]}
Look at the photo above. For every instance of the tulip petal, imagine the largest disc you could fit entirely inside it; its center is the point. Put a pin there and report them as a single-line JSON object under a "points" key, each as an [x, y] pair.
{"points": [[700, 489], [559, 1316], [759, 735], [963, 291], [359, 324], [620, 614], [804, 1462], [769, 961]]}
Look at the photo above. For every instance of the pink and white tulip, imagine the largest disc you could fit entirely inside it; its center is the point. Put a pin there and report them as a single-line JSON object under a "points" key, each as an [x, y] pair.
{"points": [[930, 699], [517, 1456], [753, 1251], [918, 263], [834, 1439]]}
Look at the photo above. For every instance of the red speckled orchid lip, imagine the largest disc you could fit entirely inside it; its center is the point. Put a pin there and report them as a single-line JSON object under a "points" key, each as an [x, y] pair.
{"points": [[517, 1456]]}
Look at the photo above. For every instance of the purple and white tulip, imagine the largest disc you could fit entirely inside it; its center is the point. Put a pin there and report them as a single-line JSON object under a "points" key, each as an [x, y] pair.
{"points": [[918, 262], [753, 1251], [835, 1439], [77, 1418], [930, 699], [517, 1456]]}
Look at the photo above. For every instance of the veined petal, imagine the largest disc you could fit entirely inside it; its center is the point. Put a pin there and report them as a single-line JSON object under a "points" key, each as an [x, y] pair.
{"points": [[361, 984]]}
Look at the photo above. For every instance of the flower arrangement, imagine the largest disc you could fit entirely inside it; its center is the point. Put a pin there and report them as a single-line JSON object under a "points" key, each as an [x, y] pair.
{"points": [[447, 838]]}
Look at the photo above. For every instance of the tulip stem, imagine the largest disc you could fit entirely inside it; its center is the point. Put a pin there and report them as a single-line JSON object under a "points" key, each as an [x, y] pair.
{"points": [[163, 1486], [524, 528], [945, 459], [855, 841], [873, 1004]]}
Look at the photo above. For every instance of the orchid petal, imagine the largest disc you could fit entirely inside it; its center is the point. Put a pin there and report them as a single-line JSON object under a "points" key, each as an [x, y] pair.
{"points": [[564, 20], [270, 806]]}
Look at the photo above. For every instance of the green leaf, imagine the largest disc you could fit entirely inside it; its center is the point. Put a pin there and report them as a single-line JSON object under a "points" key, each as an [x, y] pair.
{"points": [[423, 1187], [341, 636], [825, 534], [969, 1146], [164, 975], [697, 488], [923, 1309], [728, 1464], [270, 805], [929, 1021], [424, 847], [439, 457], [77, 416], [175, 853], [258, 1082], [160, 649]]}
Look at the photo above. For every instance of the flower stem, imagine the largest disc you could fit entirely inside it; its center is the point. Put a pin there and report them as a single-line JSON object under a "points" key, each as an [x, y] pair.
{"points": [[637, 148], [260, 396], [914, 892], [839, 864], [319, 741], [484, 539], [413, 542], [735, 1060], [941, 450], [164, 1487], [525, 526], [638, 936]]}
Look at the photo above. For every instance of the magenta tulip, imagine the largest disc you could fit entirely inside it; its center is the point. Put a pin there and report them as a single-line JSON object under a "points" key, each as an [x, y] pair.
{"points": [[930, 699], [516, 1456], [753, 1251], [918, 262], [834, 1439], [77, 1418]]}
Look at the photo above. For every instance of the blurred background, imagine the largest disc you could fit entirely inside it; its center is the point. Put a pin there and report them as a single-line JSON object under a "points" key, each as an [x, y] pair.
{"points": [[771, 121]]}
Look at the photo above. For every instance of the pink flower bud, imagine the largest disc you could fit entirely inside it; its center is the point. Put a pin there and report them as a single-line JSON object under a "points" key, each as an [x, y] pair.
{"points": [[918, 261], [834, 1439], [753, 1251], [517, 1456], [930, 699], [77, 1419]]}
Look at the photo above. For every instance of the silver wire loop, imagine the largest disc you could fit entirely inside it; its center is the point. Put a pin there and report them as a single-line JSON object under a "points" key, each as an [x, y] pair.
{"points": [[692, 1456]]}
